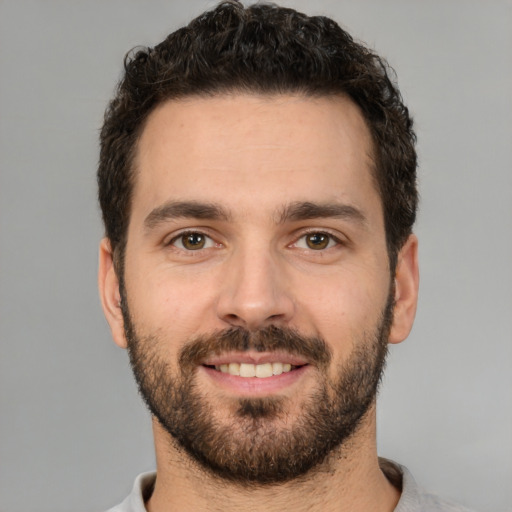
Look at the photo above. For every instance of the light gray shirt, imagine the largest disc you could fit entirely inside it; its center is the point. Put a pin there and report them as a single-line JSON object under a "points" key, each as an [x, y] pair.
{"points": [[413, 498]]}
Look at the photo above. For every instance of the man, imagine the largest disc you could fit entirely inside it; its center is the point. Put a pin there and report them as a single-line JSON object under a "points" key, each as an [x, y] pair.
{"points": [[257, 180]]}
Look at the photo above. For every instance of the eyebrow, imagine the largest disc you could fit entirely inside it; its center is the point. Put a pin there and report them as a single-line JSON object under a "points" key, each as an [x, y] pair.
{"points": [[305, 210], [184, 209], [296, 211]]}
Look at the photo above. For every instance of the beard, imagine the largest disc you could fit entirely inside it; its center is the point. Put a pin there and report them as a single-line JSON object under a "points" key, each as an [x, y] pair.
{"points": [[259, 443]]}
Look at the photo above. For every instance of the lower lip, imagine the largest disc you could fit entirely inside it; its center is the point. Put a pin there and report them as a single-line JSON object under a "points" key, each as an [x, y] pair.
{"points": [[255, 386]]}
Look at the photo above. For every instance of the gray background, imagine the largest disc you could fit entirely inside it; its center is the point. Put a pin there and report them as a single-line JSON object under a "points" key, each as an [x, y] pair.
{"points": [[73, 432]]}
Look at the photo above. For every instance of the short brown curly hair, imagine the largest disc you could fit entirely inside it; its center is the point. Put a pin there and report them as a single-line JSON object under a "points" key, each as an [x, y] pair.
{"points": [[264, 49]]}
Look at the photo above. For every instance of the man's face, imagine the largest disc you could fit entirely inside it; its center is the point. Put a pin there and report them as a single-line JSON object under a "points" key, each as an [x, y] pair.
{"points": [[257, 294]]}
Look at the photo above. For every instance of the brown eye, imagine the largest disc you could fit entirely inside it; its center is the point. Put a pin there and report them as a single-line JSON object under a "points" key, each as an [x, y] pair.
{"points": [[317, 241], [192, 241]]}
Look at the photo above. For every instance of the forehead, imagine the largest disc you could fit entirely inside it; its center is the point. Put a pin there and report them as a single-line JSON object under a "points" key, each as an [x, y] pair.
{"points": [[246, 150]]}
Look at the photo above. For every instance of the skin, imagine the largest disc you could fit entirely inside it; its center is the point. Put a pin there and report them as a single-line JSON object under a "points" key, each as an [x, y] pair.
{"points": [[254, 156]]}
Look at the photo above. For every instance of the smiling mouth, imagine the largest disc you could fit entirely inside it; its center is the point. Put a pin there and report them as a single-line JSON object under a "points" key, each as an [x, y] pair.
{"points": [[261, 371]]}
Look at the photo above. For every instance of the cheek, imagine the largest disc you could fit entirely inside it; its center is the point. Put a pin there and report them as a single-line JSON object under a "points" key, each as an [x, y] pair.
{"points": [[169, 302], [344, 309]]}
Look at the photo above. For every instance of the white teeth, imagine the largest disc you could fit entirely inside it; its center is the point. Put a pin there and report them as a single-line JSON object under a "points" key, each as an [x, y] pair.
{"points": [[254, 370], [247, 370], [234, 369], [277, 368], [264, 370]]}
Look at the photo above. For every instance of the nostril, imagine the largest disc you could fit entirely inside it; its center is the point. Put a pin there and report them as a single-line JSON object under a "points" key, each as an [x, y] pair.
{"points": [[234, 320], [254, 312]]}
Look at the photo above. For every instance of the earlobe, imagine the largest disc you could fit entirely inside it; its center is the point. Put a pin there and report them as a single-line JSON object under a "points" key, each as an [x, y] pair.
{"points": [[108, 284], [406, 291]]}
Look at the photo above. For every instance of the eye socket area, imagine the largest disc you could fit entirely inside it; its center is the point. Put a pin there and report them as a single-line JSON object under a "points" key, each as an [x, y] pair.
{"points": [[317, 241], [192, 241], [195, 241]]}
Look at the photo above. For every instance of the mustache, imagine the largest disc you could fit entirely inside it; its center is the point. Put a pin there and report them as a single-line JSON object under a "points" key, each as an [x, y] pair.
{"points": [[268, 339]]}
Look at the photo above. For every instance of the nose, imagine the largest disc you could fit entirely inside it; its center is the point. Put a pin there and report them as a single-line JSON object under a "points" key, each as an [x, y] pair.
{"points": [[255, 293]]}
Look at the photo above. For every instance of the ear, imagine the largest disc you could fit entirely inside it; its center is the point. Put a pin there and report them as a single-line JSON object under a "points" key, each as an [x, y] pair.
{"points": [[406, 290], [108, 284]]}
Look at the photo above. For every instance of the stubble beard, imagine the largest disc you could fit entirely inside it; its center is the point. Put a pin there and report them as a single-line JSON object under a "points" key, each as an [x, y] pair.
{"points": [[259, 444]]}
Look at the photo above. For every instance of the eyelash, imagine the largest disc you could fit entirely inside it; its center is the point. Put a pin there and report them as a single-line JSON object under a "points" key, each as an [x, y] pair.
{"points": [[332, 238], [184, 234]]}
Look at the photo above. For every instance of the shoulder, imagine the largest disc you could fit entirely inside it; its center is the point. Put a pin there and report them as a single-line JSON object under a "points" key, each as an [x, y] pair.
{"points": [[413, 497], [435, 503], [118, 508], [142, 489]]}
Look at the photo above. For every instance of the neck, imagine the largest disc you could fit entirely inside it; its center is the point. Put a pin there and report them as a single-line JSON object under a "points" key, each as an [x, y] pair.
{"points": [[350, 480]]}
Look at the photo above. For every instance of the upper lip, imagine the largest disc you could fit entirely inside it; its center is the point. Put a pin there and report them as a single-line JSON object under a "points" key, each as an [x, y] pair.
{"points": [[254, 358]]}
